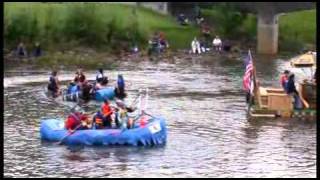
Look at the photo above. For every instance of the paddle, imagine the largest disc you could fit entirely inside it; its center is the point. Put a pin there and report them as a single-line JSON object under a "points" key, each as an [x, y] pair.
{"points": [[70, 133], [60, 142]]}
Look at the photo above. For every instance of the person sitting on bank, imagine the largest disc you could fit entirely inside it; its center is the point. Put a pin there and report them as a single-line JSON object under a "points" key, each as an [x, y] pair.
{"points": [[199, 19], [154, 44], [37, 51], [53, 84], [226, 46], [217, 43], [182, 19], [195, 46], [21, 50], [292, 91], [163, 42], [284, 79], [203, 47]]}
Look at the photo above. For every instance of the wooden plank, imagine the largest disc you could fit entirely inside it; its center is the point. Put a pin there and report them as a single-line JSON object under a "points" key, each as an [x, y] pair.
{"points": [[305, 103], [263, 115]]}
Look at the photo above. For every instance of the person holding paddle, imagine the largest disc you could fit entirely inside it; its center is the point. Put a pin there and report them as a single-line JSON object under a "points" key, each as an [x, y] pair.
{"points": [[77, 121]]}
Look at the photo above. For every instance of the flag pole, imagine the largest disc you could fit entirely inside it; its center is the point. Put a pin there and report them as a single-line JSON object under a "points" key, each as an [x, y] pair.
{"points": [[255, 84]]}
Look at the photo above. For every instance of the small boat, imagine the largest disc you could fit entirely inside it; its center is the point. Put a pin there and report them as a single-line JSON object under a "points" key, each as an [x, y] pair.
{"points": [[152, 133], [275, 102]]}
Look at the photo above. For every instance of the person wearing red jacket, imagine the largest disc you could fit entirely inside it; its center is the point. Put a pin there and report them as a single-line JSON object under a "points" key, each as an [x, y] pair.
{"points": [[76, 121]]}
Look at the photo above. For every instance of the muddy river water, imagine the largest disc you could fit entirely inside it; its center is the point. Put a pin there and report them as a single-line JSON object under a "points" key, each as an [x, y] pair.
{"points": [[209, 134]]}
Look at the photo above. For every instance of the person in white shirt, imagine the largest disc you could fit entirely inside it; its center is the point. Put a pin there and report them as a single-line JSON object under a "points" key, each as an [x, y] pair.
{"points": [[99, 76], [195, 45], [217, 43]]}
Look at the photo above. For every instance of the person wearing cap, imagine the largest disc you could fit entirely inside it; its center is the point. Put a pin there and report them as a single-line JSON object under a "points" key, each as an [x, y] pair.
{"points": [[122, 119], [284, 79]]}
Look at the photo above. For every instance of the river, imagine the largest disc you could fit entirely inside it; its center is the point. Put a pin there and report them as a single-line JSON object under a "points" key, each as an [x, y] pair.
{"points": [[209, 134]]}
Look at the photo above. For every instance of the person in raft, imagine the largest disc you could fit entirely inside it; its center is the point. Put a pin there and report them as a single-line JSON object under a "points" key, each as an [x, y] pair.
{"points": [[103, 118], [80, 77], [77, 121], [122, 119], [53, 84], [100, 75]]}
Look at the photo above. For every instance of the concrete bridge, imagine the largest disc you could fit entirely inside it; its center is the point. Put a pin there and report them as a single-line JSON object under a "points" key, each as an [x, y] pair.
{"points": [[267, 13]]}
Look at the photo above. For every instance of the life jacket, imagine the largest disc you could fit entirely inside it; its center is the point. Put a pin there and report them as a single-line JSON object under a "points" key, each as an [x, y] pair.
{"points": [[98, 119], [106, 110], [283, 80], [143, 121]]}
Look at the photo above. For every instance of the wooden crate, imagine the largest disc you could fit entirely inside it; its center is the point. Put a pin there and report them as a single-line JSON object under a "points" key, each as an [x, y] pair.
{"points": [[275, 99]]}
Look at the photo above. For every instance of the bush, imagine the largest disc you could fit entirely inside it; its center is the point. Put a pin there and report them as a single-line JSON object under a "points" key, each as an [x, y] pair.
{"points": [[22, 26], [227, 19]]}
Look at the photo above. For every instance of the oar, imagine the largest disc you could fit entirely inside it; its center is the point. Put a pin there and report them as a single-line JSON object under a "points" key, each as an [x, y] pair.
{"points": [[60, 142]]}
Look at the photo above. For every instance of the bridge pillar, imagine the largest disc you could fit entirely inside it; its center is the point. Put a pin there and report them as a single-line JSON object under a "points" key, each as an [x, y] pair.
{"points": [[268, 30]]}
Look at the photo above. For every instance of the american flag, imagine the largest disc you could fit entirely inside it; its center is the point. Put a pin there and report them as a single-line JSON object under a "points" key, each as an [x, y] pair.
{"points": [[248, 84]]}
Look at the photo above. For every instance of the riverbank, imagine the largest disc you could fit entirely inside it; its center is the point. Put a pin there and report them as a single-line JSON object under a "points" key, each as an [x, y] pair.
{"points": [[90, 59], [103, 26]]}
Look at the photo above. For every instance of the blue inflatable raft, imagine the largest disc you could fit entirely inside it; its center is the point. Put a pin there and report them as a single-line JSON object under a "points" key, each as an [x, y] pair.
{"points": [[74, 94], [105, 93], [153, 133]]}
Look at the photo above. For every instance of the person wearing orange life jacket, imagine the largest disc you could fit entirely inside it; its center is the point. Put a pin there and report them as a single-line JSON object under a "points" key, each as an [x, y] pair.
{"points": [[106, 112]]}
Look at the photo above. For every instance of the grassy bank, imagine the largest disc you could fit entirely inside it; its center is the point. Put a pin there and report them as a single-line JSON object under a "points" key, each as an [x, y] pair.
{"points": [[98, 25], [297, 30]]}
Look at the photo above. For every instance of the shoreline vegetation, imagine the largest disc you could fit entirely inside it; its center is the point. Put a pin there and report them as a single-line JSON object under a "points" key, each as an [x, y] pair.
{"points": [[101, 34]]}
